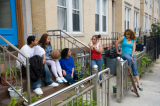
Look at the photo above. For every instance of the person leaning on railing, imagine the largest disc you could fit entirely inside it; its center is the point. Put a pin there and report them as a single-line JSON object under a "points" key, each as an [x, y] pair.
{"points": [[96, 50], [128, 46]]}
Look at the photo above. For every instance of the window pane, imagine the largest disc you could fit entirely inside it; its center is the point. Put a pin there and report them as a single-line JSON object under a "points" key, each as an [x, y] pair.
{"points": [[61, 2], [62, 18], [96, 22], [97, 7], [5, 14], [104, 24], [104, 7], [76, 21], [75, 4]]}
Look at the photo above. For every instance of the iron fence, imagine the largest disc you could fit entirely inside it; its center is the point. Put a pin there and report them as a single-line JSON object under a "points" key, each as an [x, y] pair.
{"points": [[123, 82], [101, 96]]}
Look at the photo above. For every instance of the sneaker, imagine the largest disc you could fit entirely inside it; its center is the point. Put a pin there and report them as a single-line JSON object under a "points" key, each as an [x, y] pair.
{"points": [[54, 84], [82, 86], [59, 80], [38, 91], [64, 80]]}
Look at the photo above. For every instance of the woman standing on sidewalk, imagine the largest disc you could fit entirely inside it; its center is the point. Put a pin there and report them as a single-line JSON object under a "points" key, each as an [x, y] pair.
{"points": [[128, 46], [96, 50], [44, 42]]}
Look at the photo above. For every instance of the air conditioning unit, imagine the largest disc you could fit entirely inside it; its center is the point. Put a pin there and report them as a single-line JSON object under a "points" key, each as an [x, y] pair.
{"points": [[150, 30], [151, 5], [145, 31]]}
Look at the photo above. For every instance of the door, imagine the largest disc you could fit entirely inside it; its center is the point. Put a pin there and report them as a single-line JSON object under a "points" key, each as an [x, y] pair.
{"points": [[8, 23]]}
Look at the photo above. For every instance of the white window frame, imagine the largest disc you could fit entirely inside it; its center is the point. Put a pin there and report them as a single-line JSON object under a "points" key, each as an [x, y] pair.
{"points": [[100, 18], [70, 17], [127, 18]]}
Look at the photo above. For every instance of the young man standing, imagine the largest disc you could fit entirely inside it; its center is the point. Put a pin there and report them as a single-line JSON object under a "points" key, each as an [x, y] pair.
{"points": [[31, 49]]}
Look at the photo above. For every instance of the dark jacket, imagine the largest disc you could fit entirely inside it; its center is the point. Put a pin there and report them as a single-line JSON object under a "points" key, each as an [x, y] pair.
{"points": [[36, 67]]}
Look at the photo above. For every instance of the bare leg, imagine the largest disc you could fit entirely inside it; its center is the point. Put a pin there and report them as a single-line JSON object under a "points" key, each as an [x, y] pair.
{"points": [[137, 79]]}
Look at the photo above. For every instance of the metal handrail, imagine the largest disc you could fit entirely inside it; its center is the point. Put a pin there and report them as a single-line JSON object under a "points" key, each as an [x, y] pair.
{"points": [[69, 36], [61, 91], [10, 44], [27, 69]]}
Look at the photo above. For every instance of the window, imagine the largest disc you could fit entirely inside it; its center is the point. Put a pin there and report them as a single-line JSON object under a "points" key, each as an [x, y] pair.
{"points": [[146, 2], [149, 23], [104, 15], [101, 16], [150, 3], [145, 26], [154, 5], [97, 15], [157, 7], [76, 18], [127, 18], [135, 19], [62, 14]]}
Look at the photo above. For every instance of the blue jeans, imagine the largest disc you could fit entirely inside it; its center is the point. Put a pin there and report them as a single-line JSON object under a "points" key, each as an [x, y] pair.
{"points": [[99, 63], [47, 78], [134, 66], [76, 76]]}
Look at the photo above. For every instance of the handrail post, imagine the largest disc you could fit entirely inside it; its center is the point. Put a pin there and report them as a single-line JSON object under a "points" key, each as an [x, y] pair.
{"points": [[144, 49], [28, 80], [90, 67], [96, 92], [118, 78]]}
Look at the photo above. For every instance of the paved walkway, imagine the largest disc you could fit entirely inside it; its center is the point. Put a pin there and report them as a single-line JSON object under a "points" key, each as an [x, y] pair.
{"points": [[150, 96]]}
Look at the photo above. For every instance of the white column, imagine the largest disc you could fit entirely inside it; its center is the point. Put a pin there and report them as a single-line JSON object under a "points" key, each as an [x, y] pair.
{"points": [[69, 16]]}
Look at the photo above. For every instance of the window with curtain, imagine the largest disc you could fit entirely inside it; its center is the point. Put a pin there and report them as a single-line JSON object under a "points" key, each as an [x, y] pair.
{"points": [[62, 14], [146, 2], [127, 18], [96, 15], [150, 3], [104, 15], [76, 15]]}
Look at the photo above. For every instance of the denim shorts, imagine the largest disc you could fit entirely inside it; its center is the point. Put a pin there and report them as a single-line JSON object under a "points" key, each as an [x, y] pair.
{"points": [[134, 66]]}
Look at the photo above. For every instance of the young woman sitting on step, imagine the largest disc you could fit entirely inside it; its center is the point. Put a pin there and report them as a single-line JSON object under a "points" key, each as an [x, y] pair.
{"points": [[54, 63]]}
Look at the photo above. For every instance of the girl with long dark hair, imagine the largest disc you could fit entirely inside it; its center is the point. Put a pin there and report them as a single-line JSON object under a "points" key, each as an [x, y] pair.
{"points": [[54, 63]]}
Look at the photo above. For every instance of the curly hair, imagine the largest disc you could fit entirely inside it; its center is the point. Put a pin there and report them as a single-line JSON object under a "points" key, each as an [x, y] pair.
{"points": [[64, 52], [131, 33], [43, 40]]}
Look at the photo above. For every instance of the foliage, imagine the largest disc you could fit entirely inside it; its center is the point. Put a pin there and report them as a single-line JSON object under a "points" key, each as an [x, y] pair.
{"points": [[15, 100], [36, 98], [155, 29], [2, 61], [150, 70], [103, 66], [140, 31], [152, 64], [144, 62], [157, 63], [80, 101]]}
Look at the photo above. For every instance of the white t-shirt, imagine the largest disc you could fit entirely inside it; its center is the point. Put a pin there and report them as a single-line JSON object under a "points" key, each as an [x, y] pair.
{"points": [[30, 52]]}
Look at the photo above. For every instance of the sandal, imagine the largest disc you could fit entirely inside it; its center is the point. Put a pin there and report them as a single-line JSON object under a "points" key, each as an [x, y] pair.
{"points": [[141, 89]]}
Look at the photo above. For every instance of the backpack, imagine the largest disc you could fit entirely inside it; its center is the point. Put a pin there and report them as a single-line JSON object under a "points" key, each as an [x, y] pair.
{"points": [[112, 53]]}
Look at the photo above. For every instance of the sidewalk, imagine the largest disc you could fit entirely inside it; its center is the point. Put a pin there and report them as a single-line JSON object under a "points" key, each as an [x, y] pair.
{"points": [[150, 96]]}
